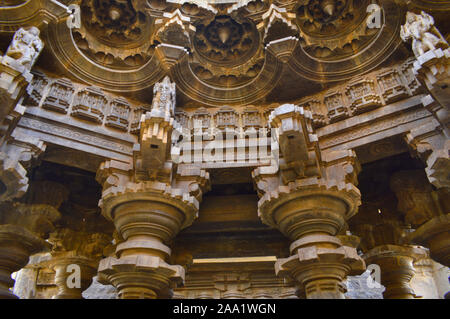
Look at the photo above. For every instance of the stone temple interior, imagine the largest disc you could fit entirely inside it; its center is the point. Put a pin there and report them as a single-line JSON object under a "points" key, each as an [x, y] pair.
{"points": [[215, 149]]}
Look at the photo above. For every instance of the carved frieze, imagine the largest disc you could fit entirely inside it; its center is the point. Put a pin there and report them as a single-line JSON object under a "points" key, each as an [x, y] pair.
{"points": [[135, 125], [119, 114], [36, 89], [90, 104], [226, 117], [251, 118], [59, 97], [336, 108], [391, 86], [362, 96], [201, 119]]}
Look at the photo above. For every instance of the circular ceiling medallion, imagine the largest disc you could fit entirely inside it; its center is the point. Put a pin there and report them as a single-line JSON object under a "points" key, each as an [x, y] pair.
{"points": [[226, 41]]}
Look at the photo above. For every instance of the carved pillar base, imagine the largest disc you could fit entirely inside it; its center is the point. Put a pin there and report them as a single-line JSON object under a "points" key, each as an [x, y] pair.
{"points": [[397, 270], [320, 264], [88, 269], [16, 245], [435, 235]]}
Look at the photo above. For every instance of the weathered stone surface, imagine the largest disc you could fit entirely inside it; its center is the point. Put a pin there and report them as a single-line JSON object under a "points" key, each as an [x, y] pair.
{"points": [[213, 135]]}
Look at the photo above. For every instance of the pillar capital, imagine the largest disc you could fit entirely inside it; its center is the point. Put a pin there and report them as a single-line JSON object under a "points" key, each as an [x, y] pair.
{"points": [[434, 235], [148, 212], [78, 248], [16, 245], [333, 193]]}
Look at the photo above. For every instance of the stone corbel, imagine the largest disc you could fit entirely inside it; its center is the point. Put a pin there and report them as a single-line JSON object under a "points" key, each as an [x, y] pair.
{"points": [[194, 180], [153, 153], [298, 143], [433, 148], [16, 156]]}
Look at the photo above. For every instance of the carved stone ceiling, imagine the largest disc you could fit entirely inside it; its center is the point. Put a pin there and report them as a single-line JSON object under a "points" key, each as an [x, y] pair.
{"points": [[218, 52]]}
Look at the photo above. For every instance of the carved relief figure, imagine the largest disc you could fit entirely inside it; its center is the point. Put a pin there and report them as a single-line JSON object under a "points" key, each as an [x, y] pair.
{"points": [[26, 46], [424, 35], [414, 194], [164, 96]]}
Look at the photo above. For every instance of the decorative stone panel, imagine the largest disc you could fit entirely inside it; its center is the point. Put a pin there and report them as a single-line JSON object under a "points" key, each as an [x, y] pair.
{"points": [[59, 97], [315, 107], [408, 72], [336, 107], [36, 89], [226, 117], [183, 119], [90, 104], [135, 125], [251, 118], [119, 114], [362, 96], [391, 86], [202, 117]]}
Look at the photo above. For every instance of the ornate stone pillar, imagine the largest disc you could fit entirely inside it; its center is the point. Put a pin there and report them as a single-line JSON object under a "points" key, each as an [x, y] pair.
{"points": [[383, 237], [148, 215], [309, 198], [149, 201], [23, 228], [426, 210], [74, 251]]}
